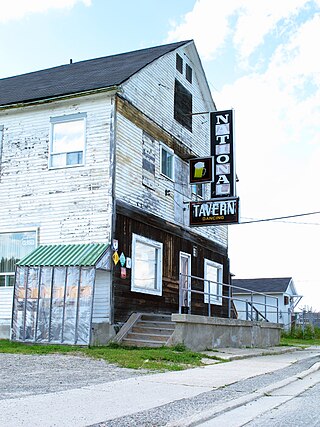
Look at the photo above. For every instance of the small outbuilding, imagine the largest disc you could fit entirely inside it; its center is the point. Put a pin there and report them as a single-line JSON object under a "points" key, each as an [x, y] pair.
{"points": [[263, 299], [61, 294]]}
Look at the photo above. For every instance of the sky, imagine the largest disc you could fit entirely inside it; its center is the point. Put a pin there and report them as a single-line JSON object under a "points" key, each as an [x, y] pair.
{"points": [[261, 58]]}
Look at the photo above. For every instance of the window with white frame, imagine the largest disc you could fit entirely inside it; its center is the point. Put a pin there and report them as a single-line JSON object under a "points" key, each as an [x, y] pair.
{"points": [[146, 273], [13, 247], [167, 162], [213, 273], [67, 142]]}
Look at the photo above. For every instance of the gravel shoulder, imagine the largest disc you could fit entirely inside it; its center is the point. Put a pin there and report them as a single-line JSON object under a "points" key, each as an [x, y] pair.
{"points": [[23, 375]]}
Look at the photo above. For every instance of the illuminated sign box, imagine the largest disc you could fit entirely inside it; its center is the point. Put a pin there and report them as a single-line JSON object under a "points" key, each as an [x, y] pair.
{"points": [[214, 212], [222, 151], [200, 170]]}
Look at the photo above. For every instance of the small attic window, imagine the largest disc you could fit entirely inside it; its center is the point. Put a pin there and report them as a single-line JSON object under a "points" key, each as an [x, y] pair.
{"points": [[179, 63], [188, 73]]}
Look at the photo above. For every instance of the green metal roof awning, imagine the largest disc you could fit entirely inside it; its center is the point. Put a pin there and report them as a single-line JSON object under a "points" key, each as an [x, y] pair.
{"points": [[65, 255]]}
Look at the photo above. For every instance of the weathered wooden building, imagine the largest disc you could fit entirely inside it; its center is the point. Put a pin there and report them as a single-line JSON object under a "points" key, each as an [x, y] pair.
{"points": [[92, 153]]}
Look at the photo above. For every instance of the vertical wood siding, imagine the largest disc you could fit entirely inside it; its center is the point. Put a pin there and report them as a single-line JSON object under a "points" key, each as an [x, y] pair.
{"points": [[127, 302]]}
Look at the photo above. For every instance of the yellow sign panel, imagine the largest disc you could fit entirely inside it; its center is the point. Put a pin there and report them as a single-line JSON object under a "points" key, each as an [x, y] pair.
{"points": [[115, 258]]}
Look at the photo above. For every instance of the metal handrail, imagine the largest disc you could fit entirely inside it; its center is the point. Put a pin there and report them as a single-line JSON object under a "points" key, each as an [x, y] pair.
{"points": [[268, 308]]}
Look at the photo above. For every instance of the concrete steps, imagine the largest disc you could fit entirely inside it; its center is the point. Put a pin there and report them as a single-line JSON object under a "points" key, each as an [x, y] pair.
{"points": [[149, 330]]}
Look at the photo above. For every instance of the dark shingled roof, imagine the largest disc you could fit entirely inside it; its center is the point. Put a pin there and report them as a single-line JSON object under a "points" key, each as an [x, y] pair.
{"points": [[80, 76], [265, 285]]}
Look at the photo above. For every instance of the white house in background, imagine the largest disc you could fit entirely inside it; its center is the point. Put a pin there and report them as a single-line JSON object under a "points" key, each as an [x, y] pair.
{"points": [[266, 292]]}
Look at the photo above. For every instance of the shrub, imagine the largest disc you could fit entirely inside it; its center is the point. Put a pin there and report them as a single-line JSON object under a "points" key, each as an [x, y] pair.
{"points": [[308, 332], [317, 332]]}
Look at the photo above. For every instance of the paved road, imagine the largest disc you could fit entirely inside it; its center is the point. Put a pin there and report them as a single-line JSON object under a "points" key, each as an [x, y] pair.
{"points": [[302, 411], [256, 408], [72, 391]]}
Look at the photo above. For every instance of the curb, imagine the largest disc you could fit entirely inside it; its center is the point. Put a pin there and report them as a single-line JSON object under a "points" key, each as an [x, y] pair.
{"points": [[222, 408], [263, 352]]}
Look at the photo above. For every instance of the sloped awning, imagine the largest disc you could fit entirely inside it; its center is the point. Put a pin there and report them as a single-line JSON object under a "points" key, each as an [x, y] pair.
{"points": [[65, 255]]}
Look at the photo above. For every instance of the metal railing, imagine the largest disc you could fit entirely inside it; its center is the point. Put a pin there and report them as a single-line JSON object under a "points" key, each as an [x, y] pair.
{"points": [[254, 306]]}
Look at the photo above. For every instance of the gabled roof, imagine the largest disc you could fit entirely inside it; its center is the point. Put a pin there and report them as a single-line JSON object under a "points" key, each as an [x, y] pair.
{"points": [[264, 285], [65, 255], [81, 76]]}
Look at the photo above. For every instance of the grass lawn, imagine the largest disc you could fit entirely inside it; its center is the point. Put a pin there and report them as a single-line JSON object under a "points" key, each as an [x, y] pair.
{"points": [[160, 359], [299, 341]]}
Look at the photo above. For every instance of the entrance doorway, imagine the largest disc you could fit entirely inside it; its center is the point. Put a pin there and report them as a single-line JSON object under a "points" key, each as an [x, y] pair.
{"points": [[185, 282]]}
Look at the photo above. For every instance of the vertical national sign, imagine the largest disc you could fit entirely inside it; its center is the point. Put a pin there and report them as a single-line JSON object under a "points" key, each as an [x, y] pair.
{"points": [[222, 151]]}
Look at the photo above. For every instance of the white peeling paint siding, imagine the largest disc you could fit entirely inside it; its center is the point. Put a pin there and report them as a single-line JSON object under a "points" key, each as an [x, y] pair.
{"points": [[152, 92], [6, 297], [69, 205], [131, 188], [129, 172], [101, 301]]}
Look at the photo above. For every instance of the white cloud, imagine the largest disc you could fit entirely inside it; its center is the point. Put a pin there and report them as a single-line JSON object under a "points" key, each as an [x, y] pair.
{"points": [[248, 22], [208, 23], [16, 9], [258, 18]]}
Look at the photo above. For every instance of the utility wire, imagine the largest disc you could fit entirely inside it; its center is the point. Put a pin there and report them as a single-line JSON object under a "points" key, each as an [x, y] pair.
{"points": [[280, 217], [290, 222]]}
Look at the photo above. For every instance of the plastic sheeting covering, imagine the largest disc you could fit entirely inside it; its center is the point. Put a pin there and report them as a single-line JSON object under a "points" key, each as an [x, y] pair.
{"points": [[53, 304]]}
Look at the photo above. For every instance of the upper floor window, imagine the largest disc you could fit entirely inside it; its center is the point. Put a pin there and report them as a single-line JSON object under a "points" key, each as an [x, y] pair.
{"points": [[67, 145], [13, 247], [182, 105], [167, 162], [189, 73], [197, 190], [213, 282], [179, 63], [146, 273]]}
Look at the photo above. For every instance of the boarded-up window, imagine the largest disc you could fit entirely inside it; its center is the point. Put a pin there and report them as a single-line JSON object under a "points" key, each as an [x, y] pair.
{"points": [[183, 105], [188, 73], [148, 161], [179, 63]]}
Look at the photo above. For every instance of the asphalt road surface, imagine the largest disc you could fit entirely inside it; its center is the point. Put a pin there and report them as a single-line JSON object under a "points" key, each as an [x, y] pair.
{"points": [[302, 411]]}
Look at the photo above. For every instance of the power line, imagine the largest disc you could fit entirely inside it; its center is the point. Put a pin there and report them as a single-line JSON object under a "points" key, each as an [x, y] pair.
{"points": [[280, 217], [292, 222]]}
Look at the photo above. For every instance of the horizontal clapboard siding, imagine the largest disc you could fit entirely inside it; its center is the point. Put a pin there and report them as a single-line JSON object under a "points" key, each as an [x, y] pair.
{"points": [[131, 189], [6, 296], [69, 205], [151, 90], [101, 301]]}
